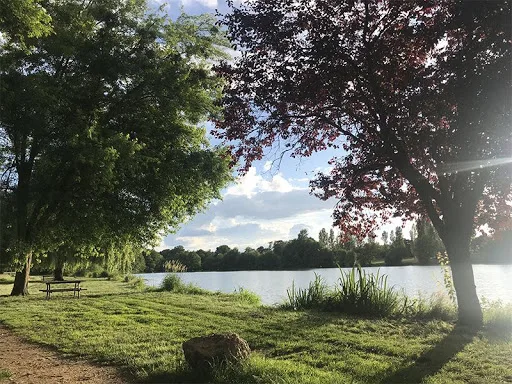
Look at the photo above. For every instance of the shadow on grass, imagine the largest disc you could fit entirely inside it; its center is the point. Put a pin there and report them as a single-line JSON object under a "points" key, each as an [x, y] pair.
{"points": [[434, 359]]}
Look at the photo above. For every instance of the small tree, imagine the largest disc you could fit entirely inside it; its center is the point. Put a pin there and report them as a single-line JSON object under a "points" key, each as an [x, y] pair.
{"points": [[425, 241], [323, 239]]}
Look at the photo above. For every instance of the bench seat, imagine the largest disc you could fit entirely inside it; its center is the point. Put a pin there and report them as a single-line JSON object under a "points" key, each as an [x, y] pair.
{"points": [[64, 290]]}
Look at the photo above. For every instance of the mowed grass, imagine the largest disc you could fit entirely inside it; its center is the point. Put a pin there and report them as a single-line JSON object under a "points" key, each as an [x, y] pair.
{"points": [[142, 332]]}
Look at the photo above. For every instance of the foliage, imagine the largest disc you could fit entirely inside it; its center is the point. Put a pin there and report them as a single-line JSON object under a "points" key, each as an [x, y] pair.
{"points": [[247, 297], [493, 249], [323, 239], [173, 283], [414, 98], [426, 244], [22, 20], [444, 262], [131, 160]]}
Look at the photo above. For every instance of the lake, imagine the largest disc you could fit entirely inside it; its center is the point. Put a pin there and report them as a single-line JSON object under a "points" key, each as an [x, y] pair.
{"points": [[494, 282]]}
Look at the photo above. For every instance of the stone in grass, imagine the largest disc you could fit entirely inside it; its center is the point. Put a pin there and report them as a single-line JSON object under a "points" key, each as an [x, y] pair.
{"points": [[203, 352]]}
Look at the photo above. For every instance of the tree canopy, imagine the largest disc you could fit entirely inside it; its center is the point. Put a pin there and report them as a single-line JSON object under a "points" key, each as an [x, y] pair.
{"points": [[415, 98], [101, 142]]}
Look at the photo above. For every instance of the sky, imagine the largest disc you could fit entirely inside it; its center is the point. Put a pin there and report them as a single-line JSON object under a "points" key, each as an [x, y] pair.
{"points": [[269, 203]]}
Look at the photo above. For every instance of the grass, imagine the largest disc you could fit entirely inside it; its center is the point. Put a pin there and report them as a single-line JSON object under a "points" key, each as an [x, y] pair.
{"points": [[142, 333], [4, 374], [367, 294]]}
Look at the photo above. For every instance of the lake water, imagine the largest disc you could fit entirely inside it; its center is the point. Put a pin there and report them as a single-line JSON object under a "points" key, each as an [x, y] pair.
{"points": [[494, 282]]}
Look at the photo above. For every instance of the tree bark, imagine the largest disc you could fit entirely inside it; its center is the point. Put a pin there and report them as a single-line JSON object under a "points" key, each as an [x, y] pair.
{"points": [[469, 309], [58, 273], [20, 287]]}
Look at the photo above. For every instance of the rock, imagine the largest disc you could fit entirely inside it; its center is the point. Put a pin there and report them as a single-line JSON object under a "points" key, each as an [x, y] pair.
{"points": [[202, 352]]}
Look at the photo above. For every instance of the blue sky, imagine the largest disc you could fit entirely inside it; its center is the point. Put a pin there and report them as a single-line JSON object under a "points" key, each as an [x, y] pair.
{"points": [[269, 203]]}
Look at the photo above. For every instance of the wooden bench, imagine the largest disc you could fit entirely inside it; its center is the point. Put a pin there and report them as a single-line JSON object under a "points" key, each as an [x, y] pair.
{"points": [[76, 289]]}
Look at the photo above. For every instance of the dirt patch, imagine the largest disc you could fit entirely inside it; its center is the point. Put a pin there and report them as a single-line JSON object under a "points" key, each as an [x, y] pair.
{"points": [[29, 363]]}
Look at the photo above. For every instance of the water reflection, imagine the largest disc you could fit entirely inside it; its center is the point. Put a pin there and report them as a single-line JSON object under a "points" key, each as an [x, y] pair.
{"points": [[494, 282]]}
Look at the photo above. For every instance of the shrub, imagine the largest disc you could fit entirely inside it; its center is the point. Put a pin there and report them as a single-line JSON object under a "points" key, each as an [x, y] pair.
{"points": [[138, 283], [247, 297], [173, 283]]}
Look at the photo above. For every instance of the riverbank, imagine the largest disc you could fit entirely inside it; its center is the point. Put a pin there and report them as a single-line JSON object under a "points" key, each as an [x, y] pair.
{"points": [[141, 333]]}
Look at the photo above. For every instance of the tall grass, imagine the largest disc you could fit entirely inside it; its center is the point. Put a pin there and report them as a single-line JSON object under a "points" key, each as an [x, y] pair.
{"points": [[360, 293], [313, 296], [498, 317]]}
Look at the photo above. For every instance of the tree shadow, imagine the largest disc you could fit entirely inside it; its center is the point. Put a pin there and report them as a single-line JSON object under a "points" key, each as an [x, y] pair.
{"points": [[431, 362]]}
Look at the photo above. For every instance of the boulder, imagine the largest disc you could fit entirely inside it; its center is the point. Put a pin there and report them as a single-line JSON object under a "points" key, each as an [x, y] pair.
{"points": [[202, 352]]}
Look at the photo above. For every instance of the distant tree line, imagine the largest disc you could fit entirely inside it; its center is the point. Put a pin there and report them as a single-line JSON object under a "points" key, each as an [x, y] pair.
{"points": [[302, 252], [329, 251]]}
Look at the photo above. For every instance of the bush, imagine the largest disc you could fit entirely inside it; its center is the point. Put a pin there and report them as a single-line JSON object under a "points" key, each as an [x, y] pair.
{"points": [[173, 283], [138, 283], [247, 297]]}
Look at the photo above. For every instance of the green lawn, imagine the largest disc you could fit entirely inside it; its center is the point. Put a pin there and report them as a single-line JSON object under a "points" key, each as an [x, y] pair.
{"points": [[142, 332]]}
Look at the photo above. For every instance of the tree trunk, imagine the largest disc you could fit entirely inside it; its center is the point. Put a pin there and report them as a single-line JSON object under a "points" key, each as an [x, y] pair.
{"points": [[20, 287], [58, 273], [469, 309]]}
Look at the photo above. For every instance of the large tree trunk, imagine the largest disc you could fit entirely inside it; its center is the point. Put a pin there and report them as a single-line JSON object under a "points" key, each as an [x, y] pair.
{"points": [[469, 309], [58, 272], [20, 287]]}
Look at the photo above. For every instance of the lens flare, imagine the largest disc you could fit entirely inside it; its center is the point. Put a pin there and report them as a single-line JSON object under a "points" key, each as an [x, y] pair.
{"points": [[473, 165]]}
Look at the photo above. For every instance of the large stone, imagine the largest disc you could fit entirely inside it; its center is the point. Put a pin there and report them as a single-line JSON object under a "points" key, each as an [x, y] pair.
{"points": [[203, 352]]}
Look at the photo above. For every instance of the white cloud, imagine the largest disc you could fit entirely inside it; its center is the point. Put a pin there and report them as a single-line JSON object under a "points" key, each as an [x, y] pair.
{"points": [[255, 211], [212, 4], [252, 183]]}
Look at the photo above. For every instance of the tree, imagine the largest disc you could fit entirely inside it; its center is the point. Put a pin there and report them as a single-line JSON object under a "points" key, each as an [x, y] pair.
{"points": [[425, 241], [415, 98], [323, 239], [154, 261], [21, 20], [99, 127], [385, 237]]}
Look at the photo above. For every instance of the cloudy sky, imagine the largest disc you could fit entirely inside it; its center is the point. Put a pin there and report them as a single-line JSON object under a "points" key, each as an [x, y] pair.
{"points": [[269, 203]]}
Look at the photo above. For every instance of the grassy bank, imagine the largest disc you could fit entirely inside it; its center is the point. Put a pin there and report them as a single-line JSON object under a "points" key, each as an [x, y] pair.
{"points": [[142, 332]]}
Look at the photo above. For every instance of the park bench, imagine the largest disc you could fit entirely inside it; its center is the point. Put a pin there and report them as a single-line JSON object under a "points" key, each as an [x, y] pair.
{"points": [[76, 289]]}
